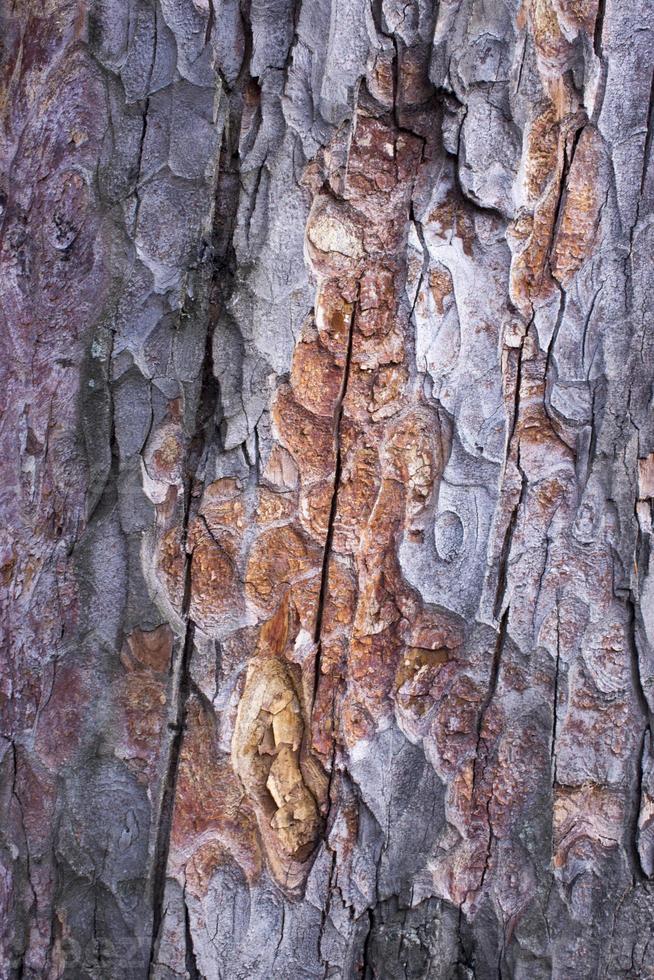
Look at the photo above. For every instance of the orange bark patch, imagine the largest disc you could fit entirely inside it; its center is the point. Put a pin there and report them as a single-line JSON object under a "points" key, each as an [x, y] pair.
{"points": [[415, 678], [542, 152], [142, 697], [215, 584], [170, 564], [278, 558], [441, 286], [275, 507], [308, 437], [316, 377], [151, 648], [580, 214], [333, 317], [209, 797]]}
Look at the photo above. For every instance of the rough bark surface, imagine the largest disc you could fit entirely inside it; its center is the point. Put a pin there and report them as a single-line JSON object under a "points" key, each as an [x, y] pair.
{"points": [[327, 474]]}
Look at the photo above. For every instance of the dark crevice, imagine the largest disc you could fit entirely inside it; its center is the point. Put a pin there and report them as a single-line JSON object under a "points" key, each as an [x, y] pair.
{"points": [[522, 62], [482, 757], [568, 159], [563, 299], [281, 933], [191, 964], [644, 710], [597, 405], [378, 18], [599, 28], [366, 965], [211, 20], [180, 695], [555, 699], [144, 127], [223, 264], [102, 499], [632, 831], [33, 908], [182, 682], [598, 47], [648, 138], [584, 345], [492, 685], [425, 261], [503, 561], [325, 910], [139, 164], [338, 466], [641, 697], [516, 397]]}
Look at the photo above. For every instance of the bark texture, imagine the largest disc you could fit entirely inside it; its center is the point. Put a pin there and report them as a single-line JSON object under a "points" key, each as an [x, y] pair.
{"points": [[327, 473]]}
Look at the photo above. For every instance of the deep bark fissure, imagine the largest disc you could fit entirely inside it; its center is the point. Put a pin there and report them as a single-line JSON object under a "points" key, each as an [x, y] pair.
{"points": [[181, 687], [139, 162], [28, 859], [555, 697], [366, 968], [181, 679], [568, 160], [649, 135], [482, 757], [646, 715], [333, 507], [190, 961]]}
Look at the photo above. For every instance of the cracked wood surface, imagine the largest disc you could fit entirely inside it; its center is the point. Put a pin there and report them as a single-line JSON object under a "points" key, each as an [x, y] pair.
{"points": [[328, 465]]}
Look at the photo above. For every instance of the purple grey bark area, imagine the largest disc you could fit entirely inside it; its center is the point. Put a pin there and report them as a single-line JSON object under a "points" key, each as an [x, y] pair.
{"points": [[327, 470]]}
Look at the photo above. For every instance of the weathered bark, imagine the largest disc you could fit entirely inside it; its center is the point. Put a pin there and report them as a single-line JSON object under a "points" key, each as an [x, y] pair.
{"points": [[327, 476]]}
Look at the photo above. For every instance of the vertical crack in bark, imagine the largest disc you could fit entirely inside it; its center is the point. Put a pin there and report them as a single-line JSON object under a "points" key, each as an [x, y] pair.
{"points": [[555, 699], [588, 318], [97, 495], [568, 159], [28, 861], [503, 561], [598, 47], [282, 926], [599, 28], [641, 700], [338, 466], [366, 965], [144, 128], [563, 299], [492, 687], [211, 20], [181, 682], [181, 686], [516, 398], [191, 963], [648, 141], [633, 848], [420, 232], [224, 265], [482, 758], [325, 912], [139, 163]]}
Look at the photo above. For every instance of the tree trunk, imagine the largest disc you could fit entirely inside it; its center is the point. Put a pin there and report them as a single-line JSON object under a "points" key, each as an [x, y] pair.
{"points": [[328, 466]]}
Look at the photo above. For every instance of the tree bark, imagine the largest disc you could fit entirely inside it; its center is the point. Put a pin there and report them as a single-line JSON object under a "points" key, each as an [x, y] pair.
{"points": [[327, 476]]}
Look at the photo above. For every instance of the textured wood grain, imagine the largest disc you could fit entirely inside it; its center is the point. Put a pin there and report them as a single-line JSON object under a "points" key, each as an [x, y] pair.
{"points": [[327, 478]]}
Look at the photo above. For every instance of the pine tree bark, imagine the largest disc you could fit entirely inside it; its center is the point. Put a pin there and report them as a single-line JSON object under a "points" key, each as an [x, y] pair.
{"points": [[327, 463]]}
